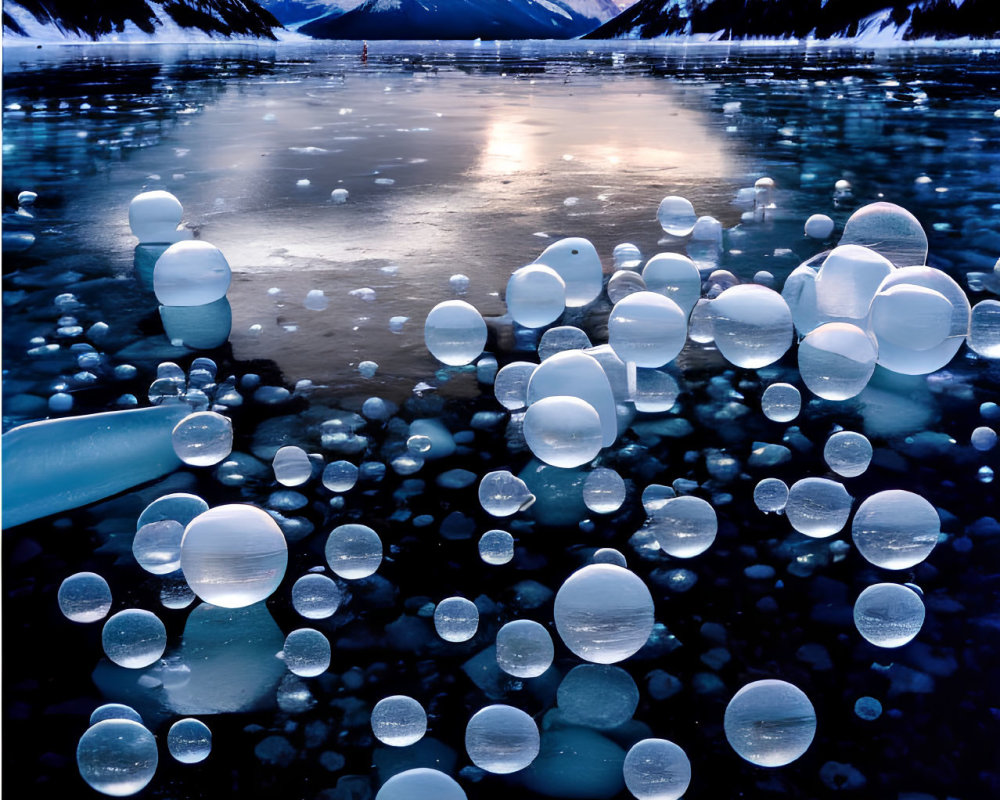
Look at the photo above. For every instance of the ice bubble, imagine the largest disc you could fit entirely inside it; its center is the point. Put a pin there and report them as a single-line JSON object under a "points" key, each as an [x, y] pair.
{"points": [[819, 226], [626, 256], [511, 384], [983, 438], [306, 652], [676, 216], [597, 696], [604, 613], [316, 300], [536, 296], [340, 476], [781, 402], [608, 555], [888, 615], [684, 526], [399, 721], [157, 546], [770, 723], [114, 711], [339, 196], [868, 708], [911, 317], [455, 333], [191, 273], [818, 507], [655, 391], [420, 784], [700, 322], [563, 431], [377, 409], [623, 283], [233, 555], [579, 266], [203, 439], [134, 638], [496, 547], [770, 495], [315, 596], [456, 619], [396, 323], [84, 597], [524, 649], [576, 374], [189, 741], [657, 769], [848, 453], [836, 360], [26, 198], [895, 529], [647, 328], [365, 293], [501, 739], [674, 276], [354, 551], [889, 230], [751, 325], [847, 281], [154, 217], [291, 466], [60, 402], [707, 229], [459, 283], [180, 507], [984, 328], [418, 445], [502, 494], [799, 292], [562, 339], [302, 183], [604, 491], [117, 757]]}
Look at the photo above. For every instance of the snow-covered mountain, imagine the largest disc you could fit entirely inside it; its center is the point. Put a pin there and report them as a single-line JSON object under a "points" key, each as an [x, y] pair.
{"points": [[292, 12], [136, 20], [601, 10], [865, 20], [453, 19]]}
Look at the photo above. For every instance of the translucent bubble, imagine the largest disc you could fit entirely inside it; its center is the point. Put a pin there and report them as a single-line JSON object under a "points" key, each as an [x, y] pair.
{"points": [[896, 529], [524, 649], [502, 739], [700, 322], [456, 619], [623, 283], [154, 217], [511, 384], [419, 445], [576, 374], [608, 555], [179, 507], [339, 196], [191, 273], [626, 256], [819, 226], [354, 551], [848, 453], [84, 597], [316, 596], [114, 711], [496, 547], [781, 402], [604, 491], [657, 769], [536, 296], [799, 292], [316, 300], [676, 216], [770, 723], [983, 438], [847, 281], [563, 431], [836, 360], [578, 264], [174, 591], [598, 696], [306, 652], [134, 638], [117, 757], [647, 328], [455, 333], [674, 276], [603, 613], [292, 466], [340, 476], [655, 391], [420, 784], [868, 708], [684, 526], [911, 317], [189, 740], [655, 496], [399, 721], [818, 507], [889, 230], [984, 328], [502, 494], [751, 325], [157, 546], [561, 339], [888, 615], [770, 495], [233, 555]]}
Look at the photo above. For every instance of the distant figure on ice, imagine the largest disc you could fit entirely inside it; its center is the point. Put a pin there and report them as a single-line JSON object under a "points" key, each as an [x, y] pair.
{"points": [[364, 53]]}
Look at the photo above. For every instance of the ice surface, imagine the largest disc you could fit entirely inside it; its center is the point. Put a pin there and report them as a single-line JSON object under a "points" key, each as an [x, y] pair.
{"points": [[536, 296], [501, 739], [751, 325], [674, 276], [524, 649], [657, 769], [836, 360], [848, 453], [579, 266], [134, 638], [597, 696], [818, 507], [888, 614], [604, 491], [306, 652], [421, 783], [292, 466], [647, 328], [502, 494], [399, 721], [353, 551], [456, 619], [154, 217], [770, 723], [684, 526], [117, 757], [191, 273], [496, 547], [189, 740], [455, 333], [84, 597], [895, 529], [203, 439], [563, 431], [676, 216], [576, 374]]}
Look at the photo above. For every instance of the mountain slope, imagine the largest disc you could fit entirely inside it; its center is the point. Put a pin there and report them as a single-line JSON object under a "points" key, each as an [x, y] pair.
{"points": [[291, 12]]}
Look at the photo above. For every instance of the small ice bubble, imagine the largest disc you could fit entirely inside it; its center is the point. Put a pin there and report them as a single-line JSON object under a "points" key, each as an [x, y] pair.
{"points": [[608, 555], [848, 453], [502, 494], [676, 216], [569, 202], [368, 369], [623, 283], [560, 339], [496, 547], [421, 784], [302, 183], [26, 198], [316, 300], [985, 474], [770, 495], [84, 597], [707, 229], [655, 391], [396, 324], [134, 638], [339, 196], [459, 283], [656, 769], [770, 723], [189, 741], [117, 757], [398, 721], [306, 652], [627, 256], [375, 408], [895, 529], [418, 444], [511, 384], [818, 507], [365, 293], [604, 491], [157, 546], [292, 466], [154, 217], [455, 333], [354, 551], [676, 277], [684, 526], [819, 226], [60, 402], [868, 708], [836, 360], [731, 108], [524, 649], [983, 438], [456, 619], [203, 439], [984, 329], [764, 278], [316, 596], [385, 181], [502, 739], [191, 273]]}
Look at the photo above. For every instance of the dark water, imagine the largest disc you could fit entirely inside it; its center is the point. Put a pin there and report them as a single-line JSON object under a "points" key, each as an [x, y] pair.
{"points": [[493, 153]]}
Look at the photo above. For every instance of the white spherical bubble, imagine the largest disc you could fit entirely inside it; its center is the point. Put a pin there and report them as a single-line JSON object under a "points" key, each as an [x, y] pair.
{"points": [[421, 784], [984, 328], [983, 438], [456, 619], [306, 652], [848, 453], [700, 322], [676, 216], [799, 292], [623, 283], [117, 757], [764, 278], [684, 526], [134, 638], [836, 360], [511, 384], [578, 264], [655, 391], [191, 273], [316, 300], [291, 466], [502, 494], [674, 276], [608, 555], [781, 402], [888, 615], [597, 696], [114, 711], [626, 256], [203, 439], [604, 613], [154, 217], [354, 551], [316, 596], [563, 431], [339, 196], [770, 723], [189, 740], [157, 546], [84, 597], [818, 507], [576, 374], [647, 328], [536, 296], [847, 281], [233, 555], [399, 721], [752, 325], [459, 283], [340, 476], [455, 333], [562, 339], [911, 317], [655, 496], [180, 507], [890, 230], [707, 229], [771, 495], [496, 547], [895, 529], [502, 739], [819, 226], [524, 649], [656, 769], [604, 491]]}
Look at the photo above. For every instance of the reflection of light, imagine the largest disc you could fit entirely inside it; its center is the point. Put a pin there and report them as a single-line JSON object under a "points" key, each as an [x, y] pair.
{"points": [[506, 148]]}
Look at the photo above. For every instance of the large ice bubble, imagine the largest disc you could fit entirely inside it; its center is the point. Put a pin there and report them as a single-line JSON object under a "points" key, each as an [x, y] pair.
{"points": [[154, 217], [911, 317], [895, 529], [674, 276], [818, 507], [192, 273], [576, 374], [676, 216], [134, 638], [536, 296], [117, 757], [578, 264], [524, 649], [563, 431], [770, 723], [684, 526], [455, 333], [657, 769], [399, 721], [501, 739], [847, 281], [889, 230], [752, 325], [888, 614], [647, 328], [836, 360], [84, 597], [421, 784], [353, 551]]}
